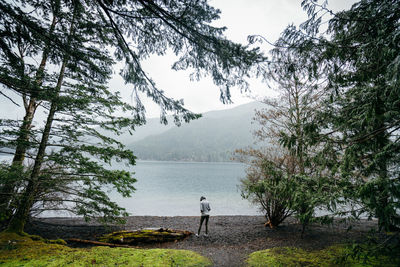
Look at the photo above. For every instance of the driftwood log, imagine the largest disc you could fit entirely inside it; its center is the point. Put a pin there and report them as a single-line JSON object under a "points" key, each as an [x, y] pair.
{"points": [[148, 235], [97, 243]]}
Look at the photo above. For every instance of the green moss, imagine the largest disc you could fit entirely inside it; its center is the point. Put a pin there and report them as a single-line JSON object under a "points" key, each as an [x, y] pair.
{"points": [[144, 236], [39, 238], [35, 237], [56, 241], [27, 252], [291, 256]]}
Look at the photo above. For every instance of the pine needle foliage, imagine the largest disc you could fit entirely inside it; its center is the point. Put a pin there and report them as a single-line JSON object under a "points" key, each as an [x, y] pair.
{"points": [[358, 123]]}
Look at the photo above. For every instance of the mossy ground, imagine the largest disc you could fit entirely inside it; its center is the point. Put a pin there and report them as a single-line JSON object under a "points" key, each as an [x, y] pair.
{"points": [[291, 256], [16, 250], [144, 236]]}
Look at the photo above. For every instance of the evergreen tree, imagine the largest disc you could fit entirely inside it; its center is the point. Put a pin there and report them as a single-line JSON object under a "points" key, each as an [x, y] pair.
{"points": [[71, 98], [360, 119], [18, 73]]}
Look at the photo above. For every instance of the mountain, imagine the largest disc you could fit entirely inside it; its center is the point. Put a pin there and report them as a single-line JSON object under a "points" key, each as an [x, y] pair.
{"points": [[152, 127], [211, 138]]}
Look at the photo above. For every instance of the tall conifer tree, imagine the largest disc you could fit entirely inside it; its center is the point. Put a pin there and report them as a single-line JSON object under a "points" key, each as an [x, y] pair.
{"points": [[360, 119]]}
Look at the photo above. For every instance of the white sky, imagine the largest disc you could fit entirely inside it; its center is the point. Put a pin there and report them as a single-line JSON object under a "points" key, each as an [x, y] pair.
{"points": [[242, 18]]}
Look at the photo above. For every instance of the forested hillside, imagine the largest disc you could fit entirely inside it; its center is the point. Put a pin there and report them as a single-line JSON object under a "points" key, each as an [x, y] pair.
{"points": [[211, 138]]}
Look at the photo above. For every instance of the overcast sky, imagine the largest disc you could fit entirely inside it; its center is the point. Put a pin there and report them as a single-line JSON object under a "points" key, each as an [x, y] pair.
{"points": [[242, 18]]}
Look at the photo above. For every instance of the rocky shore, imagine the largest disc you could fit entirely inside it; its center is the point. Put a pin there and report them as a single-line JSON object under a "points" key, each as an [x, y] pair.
{"points": [[231, 238]]}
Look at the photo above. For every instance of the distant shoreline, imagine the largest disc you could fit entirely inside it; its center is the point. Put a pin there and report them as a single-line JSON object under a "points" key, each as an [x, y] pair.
{"points": [[182, 161], [93, 222]]}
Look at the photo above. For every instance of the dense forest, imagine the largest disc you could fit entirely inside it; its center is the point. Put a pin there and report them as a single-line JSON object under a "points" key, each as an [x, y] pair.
{"points": [[334, 126], [211, 138]]}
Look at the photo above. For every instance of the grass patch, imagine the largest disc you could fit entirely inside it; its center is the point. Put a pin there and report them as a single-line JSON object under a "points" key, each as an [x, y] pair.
{"points": [[291, 256], [18, 250]]}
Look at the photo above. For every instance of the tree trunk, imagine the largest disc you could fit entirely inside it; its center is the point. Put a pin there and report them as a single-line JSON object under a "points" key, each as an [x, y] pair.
{"points": [[30, 108], [7, 192], [299, 130], [18, 221]]}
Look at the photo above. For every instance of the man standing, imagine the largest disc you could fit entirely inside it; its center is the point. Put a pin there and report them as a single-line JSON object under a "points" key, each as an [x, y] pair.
{"points": [[205, 214]]}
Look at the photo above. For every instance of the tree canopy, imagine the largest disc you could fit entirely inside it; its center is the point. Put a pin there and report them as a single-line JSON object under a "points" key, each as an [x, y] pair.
{"points": [[134, 30]]}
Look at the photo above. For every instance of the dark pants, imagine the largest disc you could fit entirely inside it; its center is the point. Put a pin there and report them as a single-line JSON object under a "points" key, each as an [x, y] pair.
{"points": [[204, 217]]}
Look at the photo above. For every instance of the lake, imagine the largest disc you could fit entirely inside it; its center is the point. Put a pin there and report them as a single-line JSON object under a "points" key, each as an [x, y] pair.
{"points": [[175, 188]]}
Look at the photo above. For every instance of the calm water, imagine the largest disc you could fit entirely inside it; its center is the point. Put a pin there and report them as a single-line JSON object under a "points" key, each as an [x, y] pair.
{"points": [[174, 188]]}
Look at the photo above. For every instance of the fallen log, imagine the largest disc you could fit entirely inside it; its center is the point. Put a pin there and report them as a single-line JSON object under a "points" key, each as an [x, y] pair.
{"points": [[148, 235], [98, 243]]}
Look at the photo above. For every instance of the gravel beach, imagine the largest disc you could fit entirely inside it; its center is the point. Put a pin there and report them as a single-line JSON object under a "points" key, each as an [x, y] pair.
{"points": [[231, 238]]}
